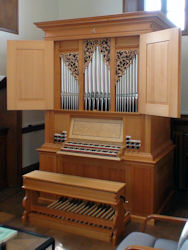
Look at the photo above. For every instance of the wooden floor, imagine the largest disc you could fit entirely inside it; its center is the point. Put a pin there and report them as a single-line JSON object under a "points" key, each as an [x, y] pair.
{"points": [[11, 211]]}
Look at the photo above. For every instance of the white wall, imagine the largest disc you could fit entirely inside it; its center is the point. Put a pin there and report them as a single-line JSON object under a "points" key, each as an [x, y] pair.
{"points": [[30, 11], [86, 8], [31, 142], [184, 76]]}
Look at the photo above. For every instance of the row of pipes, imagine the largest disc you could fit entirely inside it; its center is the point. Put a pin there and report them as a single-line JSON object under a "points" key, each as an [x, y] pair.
{"points": [[97, 84], [69, 88], [126, 89], [97, 87]]}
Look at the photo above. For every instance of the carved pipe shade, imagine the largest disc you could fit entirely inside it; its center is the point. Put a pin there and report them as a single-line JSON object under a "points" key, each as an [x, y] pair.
{"points": [[104, 48], [123, 59], [71, 62]]}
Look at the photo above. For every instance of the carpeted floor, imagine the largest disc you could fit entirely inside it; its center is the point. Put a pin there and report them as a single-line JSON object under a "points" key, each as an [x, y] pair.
{"points": [[11, 211]]}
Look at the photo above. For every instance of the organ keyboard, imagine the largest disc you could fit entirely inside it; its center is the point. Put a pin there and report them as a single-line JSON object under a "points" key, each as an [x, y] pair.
{"points": [[96, 138], [91, 207], [90, 149]]}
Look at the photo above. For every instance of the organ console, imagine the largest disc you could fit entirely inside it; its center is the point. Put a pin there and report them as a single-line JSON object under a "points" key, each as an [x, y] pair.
{"points": [[95, 138], [109, 86]]}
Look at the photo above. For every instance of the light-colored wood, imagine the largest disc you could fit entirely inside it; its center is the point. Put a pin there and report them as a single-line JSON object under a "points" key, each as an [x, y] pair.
{"points": [[112, 74], [36, 219], [140, 186], [49, 126], [129, 42], [81, 75], [111, 226], [149, 185], [145, 170], [104, 130], [163, 178], [66, 46], [61, 122], [30, 75], [57, 77], [166, 218], [125, 24], [97, 168], [90, 156], [159, 73], [140, 219], [159, 126], [138, 247], [95, 184], [75, 216], [47, 161]]}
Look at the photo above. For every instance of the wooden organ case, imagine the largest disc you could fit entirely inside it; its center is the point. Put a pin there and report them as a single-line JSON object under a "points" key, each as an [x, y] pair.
{"points": [[109, 86]]}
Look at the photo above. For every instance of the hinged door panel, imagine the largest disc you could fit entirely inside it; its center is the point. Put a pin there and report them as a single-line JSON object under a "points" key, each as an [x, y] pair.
{"points": [[159, 73], [30, 75]]}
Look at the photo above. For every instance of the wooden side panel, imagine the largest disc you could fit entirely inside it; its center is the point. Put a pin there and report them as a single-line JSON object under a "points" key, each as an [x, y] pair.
{"points": [[134, 126], [112, 75], [100, 169], [160, 134], [61, 122], [49, 126], [159, 73], [127, 42], [30, 75], [48, 161], [57, 76], [81, 75], [163, 182], [70, 45], [140, 188]]}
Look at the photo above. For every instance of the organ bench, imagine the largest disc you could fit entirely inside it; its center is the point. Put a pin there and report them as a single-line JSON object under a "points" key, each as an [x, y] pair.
{"points": [[86, 206]]}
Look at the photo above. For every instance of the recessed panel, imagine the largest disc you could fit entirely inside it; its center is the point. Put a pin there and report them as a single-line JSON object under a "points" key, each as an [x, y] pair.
{"points": [[30, 74], [97, 129], [157, 72]]}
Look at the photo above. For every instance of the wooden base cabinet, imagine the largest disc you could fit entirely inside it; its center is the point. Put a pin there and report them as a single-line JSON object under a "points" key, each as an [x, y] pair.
{"points": [[149, 185]]}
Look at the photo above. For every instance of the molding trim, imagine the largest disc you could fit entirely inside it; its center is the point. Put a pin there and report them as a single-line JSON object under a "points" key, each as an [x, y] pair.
{"points": [[30, 168], [3, 83], [32, 128]]}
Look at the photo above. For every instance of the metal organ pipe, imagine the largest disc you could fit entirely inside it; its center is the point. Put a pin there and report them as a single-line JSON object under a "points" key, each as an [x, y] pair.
{"points": [[97, 84], [127, 89], [69, 88]]}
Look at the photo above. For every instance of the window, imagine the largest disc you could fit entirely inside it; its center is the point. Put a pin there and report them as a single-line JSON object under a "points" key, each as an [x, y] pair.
{"points": [[175, 10]]}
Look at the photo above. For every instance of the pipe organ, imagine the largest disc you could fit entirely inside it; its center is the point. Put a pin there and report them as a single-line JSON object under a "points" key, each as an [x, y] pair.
{"points": [[109, 86]]}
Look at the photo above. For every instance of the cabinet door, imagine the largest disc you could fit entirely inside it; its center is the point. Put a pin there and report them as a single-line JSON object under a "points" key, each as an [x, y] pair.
{"points": [[30, 75], [159, 73]]}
